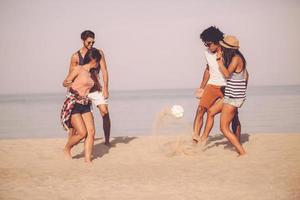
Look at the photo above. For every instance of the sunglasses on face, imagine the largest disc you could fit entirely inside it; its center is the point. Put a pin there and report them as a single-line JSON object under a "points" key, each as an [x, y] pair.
{"points": [[90, 42], [207, 44]]}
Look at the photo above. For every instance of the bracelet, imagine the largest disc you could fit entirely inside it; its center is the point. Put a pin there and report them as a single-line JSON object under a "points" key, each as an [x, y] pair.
{"points": [[218, 58]]}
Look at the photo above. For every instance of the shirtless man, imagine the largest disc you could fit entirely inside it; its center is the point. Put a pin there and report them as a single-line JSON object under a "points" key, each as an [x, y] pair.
{"points": [[98, 94]]}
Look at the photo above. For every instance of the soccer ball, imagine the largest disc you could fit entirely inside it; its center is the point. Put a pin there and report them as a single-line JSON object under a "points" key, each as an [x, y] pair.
{"points": [[177, 111]]}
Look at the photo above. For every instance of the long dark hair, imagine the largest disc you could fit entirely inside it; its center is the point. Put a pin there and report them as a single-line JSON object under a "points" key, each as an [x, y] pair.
{"points": [[228, 54], [94, 53]]}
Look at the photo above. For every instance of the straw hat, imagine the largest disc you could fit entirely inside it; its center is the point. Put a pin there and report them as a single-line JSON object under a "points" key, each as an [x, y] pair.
{"points": [[230, 42]]}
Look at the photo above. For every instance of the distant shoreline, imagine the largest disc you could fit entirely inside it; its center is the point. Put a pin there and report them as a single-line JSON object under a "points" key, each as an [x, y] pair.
{"points": [[297, 87]]}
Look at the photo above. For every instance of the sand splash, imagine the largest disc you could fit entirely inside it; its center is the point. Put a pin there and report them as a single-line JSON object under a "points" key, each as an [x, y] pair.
{"points": [[179, 134]]}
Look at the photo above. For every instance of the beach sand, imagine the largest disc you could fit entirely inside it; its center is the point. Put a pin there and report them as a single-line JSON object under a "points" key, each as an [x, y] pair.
{"points": [[145, 168]]}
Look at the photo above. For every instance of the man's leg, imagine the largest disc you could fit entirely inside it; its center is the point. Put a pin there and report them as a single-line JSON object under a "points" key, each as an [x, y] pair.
{"points": [[212, 111], [198, 122], [101, 103], [103, 108], [207, 99]]}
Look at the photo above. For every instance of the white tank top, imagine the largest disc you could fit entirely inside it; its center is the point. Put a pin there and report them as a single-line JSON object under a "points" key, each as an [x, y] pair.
{"points": [[215, 75]]}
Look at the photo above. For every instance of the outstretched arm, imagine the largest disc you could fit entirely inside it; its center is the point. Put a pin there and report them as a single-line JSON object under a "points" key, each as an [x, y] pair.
{"points": [[104, 74]]}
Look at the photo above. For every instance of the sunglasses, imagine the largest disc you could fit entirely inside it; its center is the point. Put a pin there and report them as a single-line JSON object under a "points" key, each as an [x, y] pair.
{"points": [[207, 44], [91, 42]]}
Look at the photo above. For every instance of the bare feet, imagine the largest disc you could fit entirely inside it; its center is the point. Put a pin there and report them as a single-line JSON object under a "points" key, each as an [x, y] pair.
{"points": [[67, 153], [242, 154], [88, 160], [195, 138], [203, 140]]}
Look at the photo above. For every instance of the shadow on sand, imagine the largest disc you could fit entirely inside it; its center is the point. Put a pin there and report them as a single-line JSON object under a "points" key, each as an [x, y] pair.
{"points": [[101, 149], [214, 141]]}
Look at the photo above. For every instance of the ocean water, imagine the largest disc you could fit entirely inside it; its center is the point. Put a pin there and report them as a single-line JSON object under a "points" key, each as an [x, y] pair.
{"points": [[268, 109]]}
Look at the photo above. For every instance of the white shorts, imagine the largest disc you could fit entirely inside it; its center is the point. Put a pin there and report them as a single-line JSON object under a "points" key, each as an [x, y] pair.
{"points": [[97, 98]]}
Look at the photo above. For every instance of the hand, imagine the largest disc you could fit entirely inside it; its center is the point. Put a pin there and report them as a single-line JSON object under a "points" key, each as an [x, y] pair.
{"points": [[199, 93], [105, 94], [67, 84]]}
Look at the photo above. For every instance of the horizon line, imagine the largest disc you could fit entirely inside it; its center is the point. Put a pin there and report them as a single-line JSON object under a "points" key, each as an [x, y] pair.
{"points": [[147, 89]]}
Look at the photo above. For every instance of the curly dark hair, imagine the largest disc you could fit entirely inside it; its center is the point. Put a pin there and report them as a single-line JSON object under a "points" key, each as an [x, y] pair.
{"points": [[212, 34]]}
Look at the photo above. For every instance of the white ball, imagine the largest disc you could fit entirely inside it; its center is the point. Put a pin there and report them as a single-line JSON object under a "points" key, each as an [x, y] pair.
{"points": [[177, 111]]}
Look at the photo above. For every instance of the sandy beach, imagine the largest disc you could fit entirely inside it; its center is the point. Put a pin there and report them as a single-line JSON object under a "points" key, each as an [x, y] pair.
{"points": [[147, 168]]}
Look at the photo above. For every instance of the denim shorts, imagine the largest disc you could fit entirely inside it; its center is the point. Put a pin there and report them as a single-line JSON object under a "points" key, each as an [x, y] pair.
{"points": [[234, 102], [79, 108]]}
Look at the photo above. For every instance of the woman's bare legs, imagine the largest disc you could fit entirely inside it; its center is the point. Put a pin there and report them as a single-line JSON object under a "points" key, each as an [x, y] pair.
{"points": [[78, 124], [227, 115], [236, 126], [212, 111], [71, 132], [89, 140]]}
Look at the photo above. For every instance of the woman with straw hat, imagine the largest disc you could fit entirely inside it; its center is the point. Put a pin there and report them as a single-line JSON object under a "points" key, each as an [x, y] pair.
{"points": [[233, 65]]}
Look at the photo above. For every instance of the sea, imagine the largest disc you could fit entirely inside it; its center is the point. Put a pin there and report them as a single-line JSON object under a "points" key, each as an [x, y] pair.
{"points": [[267, 109]]}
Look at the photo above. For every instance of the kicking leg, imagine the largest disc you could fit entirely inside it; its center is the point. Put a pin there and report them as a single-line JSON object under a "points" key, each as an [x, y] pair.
{"points": [[212, 111], [198, 122]]}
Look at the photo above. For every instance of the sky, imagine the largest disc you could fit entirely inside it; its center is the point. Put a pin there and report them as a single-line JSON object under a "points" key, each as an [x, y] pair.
{"points": [[147, 44]]}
